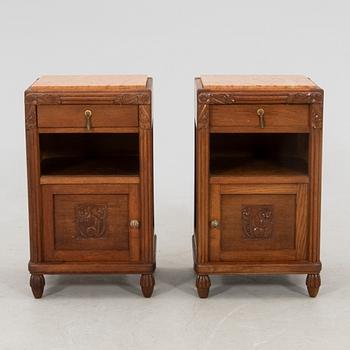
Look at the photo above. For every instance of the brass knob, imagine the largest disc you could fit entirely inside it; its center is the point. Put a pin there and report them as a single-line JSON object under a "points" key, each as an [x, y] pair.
{"points": [[134, 223], [88, 116], [214, 223], [260, 112]]}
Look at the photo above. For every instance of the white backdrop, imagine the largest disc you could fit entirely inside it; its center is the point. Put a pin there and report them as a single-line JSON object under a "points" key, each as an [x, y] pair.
{"points": [[173, 42]]}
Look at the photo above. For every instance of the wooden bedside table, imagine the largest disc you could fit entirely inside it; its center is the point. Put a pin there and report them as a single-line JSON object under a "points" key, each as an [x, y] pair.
{"points": [[90, 177], [258, 177]]}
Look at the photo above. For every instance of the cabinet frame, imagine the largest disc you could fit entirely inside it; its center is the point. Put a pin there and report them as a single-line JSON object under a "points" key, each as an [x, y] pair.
{"points": [[201, 241], [143, 258]]}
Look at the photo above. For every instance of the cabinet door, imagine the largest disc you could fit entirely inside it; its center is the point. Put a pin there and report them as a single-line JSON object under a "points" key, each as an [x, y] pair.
{"points": [[91, 222], [258, 222]]}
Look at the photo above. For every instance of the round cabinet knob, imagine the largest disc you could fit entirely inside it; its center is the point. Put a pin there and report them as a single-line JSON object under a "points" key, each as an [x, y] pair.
{"points": [[214, 223], [134, 223], [88, 116]]}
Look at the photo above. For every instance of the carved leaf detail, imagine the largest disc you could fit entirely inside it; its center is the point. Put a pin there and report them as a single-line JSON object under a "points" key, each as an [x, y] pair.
{"points": [[30, 117], [216, 98], [317, 121], [91, 220], [42, 98], [316, 115], [133, 98], [305, 97], [203, 116], [203, 281], [257, 221], [313, 281], [144, 117]]}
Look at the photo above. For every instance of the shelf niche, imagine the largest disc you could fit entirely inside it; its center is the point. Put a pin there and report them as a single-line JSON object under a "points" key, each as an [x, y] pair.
{"points": [[96, 154], [258, 155]]}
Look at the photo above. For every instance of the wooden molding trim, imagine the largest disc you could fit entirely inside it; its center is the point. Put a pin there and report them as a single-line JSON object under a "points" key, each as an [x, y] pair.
{"points": [[206, 97], [129, 98]]}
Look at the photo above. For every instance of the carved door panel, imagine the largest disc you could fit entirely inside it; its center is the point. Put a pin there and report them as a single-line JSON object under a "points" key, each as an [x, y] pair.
{"points": [[91, 222], [258, 222]]}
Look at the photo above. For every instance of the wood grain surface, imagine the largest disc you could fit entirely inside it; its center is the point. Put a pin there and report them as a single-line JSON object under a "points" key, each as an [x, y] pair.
{"points": [[257, 82], [103, 83]]}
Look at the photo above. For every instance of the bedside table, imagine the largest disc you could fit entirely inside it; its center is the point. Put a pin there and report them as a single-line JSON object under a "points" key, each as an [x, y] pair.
{"points": [[90, 177], [258, 177]]}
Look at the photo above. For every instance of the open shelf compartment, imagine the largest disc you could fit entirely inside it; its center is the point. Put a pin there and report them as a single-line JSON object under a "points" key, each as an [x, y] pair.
{"points": [[264, 157], [89, 154]]}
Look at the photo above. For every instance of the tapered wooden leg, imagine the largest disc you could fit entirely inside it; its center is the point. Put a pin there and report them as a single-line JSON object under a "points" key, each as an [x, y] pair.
{"points": [[37, 283], [203, 284], [313, 282], [147, 285]]}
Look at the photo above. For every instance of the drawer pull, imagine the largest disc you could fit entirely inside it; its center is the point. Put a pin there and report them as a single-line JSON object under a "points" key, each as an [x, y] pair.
{"points": [[88, 116], [260, 112], [214, 223], [134, 223]]}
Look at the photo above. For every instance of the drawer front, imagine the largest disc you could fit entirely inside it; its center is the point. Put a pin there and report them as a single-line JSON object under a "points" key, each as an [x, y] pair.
{"points": [[74, 116], [274, 118], [90, 223], [258, 222]]}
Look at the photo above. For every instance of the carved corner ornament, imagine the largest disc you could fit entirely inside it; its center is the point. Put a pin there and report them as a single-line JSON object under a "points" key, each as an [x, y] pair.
{"points": [[133, 99], [41, 98], [305, 97], [203, 116], [257, 221], [316, 116], [215, 98], [144, 117], [30, 116]]}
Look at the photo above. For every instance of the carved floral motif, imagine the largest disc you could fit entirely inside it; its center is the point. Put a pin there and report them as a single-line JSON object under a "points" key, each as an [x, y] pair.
{"points": [[257, 221], [91, 221]]}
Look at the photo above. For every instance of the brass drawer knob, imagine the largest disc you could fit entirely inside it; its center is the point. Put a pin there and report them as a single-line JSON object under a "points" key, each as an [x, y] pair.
{"points": [[134, 223], [88, 116], [260, 112], [214, 223]]}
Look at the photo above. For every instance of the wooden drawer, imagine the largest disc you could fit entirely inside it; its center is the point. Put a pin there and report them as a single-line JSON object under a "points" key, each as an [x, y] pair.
{"points": [[73, 116], [258, 222], [91, 222], [277, 117]]}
